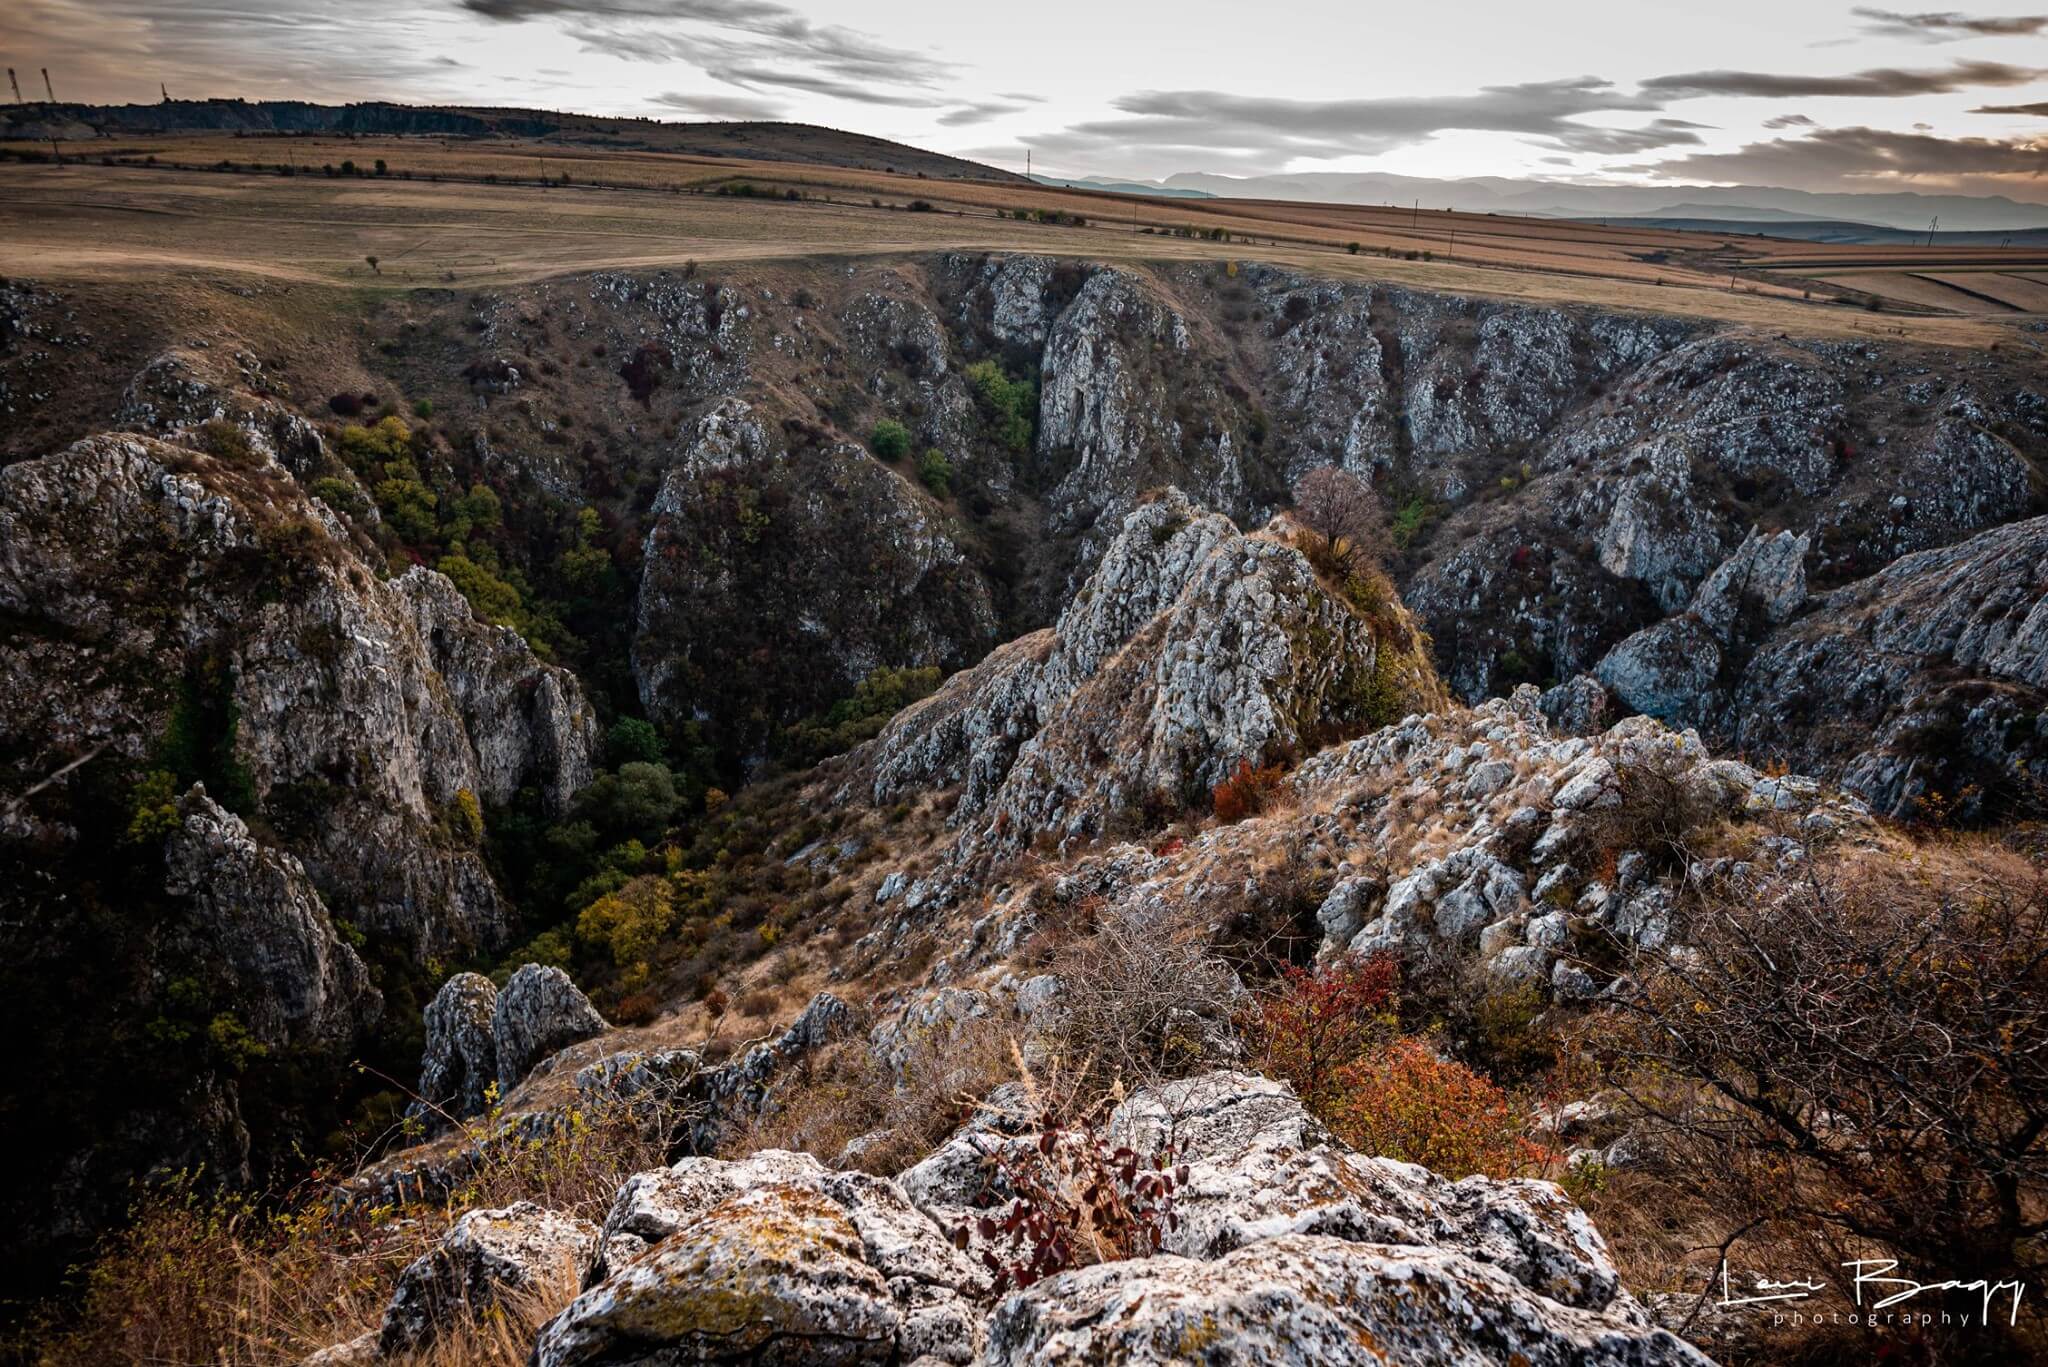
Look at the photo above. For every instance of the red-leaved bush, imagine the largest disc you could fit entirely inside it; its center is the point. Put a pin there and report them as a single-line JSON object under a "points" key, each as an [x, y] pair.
{"points": [[1072, 1200], [1248, 791], [1319, 1022]]}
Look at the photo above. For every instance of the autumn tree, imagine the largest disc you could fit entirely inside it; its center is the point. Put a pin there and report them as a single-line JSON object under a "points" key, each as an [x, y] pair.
{"points": [[1343, 517]]}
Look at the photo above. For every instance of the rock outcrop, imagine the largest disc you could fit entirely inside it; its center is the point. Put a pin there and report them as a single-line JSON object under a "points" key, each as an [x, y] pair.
{"points": [[479, 1037], [1306, 1300], [294, 980], [802, 551], [1291, 1249], [1930, 676], [461, 1059], [539, 1013], [1192, 649], [158, 589], [174, 615], [1480, 836], [485, 1256]]}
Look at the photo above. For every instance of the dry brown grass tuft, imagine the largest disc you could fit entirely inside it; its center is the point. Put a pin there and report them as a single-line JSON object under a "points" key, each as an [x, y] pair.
{"points": [[232, 1281], [845, 1093]]}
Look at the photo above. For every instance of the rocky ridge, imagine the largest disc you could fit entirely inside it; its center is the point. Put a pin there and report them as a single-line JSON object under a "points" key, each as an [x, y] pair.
{"points": [[1295, 1249]]}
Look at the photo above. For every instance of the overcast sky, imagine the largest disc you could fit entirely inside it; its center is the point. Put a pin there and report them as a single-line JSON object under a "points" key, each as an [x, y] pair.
{"points": [[1787, 92]]}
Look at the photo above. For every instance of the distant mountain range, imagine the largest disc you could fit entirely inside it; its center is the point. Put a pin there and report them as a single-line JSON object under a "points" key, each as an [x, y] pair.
{"points": [[1758, 204], [797, 142]]}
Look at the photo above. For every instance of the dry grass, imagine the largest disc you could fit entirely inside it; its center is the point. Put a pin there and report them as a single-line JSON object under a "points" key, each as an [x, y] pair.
{"points": [[230, 1281], [83, 220], [846, 1092]]}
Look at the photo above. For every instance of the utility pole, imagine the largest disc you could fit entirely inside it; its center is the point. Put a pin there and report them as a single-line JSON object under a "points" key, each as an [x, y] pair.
{"points": [[165, 91], [17, 86], [47, 88], [1415, 217], [1933, 223]]}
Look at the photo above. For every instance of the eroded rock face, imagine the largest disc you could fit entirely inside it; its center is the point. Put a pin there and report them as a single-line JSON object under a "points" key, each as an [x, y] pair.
{"points": [[294, 980], [154, 583], [528, 724], [817, 556], [1929, 676], [1192, 649], [1308, 1300], [539, 1013], [461, 1058]]}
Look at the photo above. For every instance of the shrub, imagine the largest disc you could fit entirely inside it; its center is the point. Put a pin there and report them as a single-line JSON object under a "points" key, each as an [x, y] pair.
{"points": [[1402, 1101], [1248, 791], [490, 597], [851, 720], [423, 408], [629, 923], [462, 820], [341, 495], [890, 440], [1141, 992], [227, 441], [1072, 1200], [935, 471], [636, 802], [155, 809], [1319, 1022]]}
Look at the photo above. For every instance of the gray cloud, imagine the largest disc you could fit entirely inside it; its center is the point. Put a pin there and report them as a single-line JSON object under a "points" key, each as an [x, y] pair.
{"points": [[1879, 82], [1870, 159], [753, 77], [2040, 110], [1790, 121], [264, 49], [1617, 141], [1947, 26], [980, 111], [1170, 128], [757, 36], [721, 106]]}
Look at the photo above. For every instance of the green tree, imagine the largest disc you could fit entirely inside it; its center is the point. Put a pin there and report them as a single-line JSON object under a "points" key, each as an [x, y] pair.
{"points": [[1011, 406], [634, 741], [637, 802]]}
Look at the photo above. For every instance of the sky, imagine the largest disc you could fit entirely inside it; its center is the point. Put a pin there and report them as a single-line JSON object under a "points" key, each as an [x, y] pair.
{"points": [[1797, 93]]}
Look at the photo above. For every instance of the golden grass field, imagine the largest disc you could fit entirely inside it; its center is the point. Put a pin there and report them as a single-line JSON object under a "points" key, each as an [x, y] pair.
{"points": [[434, 219]]}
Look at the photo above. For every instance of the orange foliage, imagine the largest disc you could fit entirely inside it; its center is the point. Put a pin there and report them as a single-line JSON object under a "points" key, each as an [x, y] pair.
{"points": [[1248, 791], [1404, 1102]]}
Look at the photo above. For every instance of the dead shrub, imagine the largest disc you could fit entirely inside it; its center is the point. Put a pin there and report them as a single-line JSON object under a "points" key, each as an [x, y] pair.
{"points": [[847, 1092], [1854, 1055], [1658, 813], [1141, 993], [1347, 525]]}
